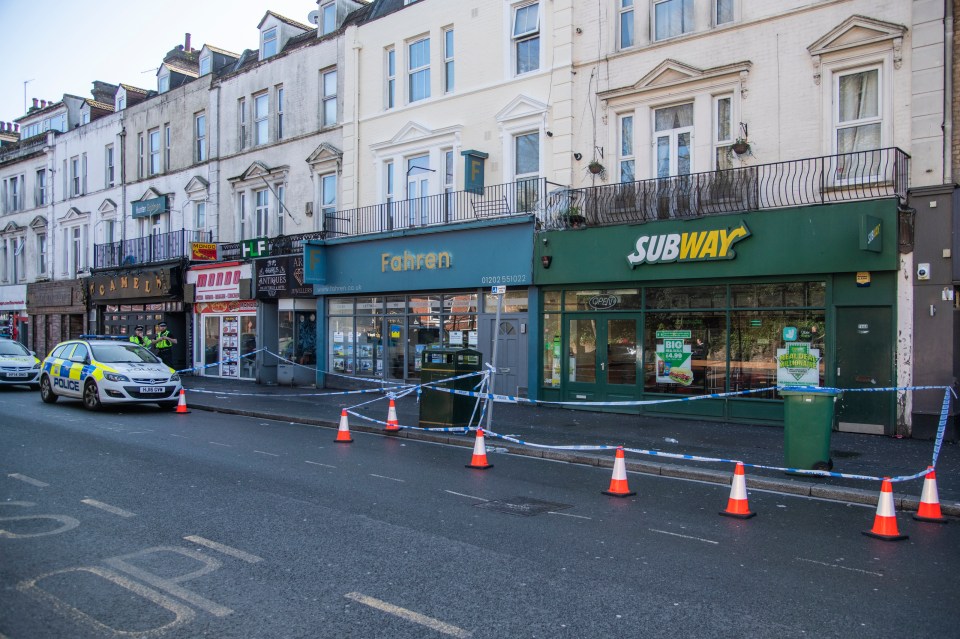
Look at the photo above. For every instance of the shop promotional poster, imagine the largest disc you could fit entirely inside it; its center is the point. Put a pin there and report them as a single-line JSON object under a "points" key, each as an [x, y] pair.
{"points": [[798, 365], [673, 358]]}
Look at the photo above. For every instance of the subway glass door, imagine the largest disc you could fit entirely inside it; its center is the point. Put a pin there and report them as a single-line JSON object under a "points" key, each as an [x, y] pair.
{"points": [[603, 357]]}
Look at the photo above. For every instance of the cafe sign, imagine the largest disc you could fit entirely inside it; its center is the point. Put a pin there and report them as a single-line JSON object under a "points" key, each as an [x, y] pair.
{"points": [[692, 246], [153, 283], [151, 207]]}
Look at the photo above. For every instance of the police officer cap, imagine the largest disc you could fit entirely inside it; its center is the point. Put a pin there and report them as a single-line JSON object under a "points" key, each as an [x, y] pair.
{"points": [[139, 328], [162, 324]]}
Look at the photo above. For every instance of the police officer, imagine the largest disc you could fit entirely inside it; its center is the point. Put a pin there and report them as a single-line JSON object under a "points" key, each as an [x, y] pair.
{"points": [[164, 343], [139, 338]]}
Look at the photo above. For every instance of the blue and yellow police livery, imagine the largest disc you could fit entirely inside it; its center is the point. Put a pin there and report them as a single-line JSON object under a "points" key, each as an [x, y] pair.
{"points": [[17, 364], [104, 371]]}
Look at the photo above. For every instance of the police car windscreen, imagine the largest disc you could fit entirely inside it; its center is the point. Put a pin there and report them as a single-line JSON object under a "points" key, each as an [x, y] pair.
{"points": [[12, 348], [123, 354]]}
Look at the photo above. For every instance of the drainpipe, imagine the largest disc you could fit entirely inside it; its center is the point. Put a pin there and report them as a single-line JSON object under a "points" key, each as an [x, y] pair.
{"points": [[123, 179], [948, 89], [356, 118]]}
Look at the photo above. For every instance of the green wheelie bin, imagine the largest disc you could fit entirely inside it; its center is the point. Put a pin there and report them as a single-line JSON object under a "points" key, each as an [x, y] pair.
{"points": [[439, 408], [807, 424]]}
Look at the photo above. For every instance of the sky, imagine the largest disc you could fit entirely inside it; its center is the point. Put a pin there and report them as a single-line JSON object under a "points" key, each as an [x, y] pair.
{"points": [[62, 46]]}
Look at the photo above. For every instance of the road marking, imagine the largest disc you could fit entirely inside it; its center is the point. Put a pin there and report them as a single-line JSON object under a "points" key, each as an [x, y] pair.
{"points": [[666, 532], [265, 453], [227, 550], [219, 444], [181, 436], [823, 563], [409, 615], [550, 512], [107, 507], [390, 478], [319, 464], [29, 480], [467, 496]]}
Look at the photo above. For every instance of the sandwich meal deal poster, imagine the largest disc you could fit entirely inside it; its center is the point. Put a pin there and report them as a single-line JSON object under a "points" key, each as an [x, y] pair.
{"points": [[673, 358]]}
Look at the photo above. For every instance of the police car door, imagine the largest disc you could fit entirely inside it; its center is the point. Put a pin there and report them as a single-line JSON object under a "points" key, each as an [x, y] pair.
{"points": [[67, 381]]}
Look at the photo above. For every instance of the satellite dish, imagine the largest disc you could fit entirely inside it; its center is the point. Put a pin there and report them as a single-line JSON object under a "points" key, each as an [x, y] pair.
{"points": [[314, 17]]}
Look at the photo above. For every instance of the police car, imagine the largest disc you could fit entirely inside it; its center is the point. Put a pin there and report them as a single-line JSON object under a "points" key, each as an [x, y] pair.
{"points": [[18, 365], [101, 371]]}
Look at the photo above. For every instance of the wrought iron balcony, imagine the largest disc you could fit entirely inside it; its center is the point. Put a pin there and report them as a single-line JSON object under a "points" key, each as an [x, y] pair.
{"points": [[279, 245], [150, 249], [524, 197], [864, 175]]}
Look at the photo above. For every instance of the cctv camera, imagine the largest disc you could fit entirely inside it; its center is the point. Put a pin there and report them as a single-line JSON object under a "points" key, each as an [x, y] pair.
{"points": [[923, 271]]}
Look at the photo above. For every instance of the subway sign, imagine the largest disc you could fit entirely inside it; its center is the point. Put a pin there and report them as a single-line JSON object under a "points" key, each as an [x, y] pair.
{"points": [[692, 246]]}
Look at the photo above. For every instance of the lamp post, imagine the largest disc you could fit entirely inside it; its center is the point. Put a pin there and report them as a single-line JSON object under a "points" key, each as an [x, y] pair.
{"points": [[25, 83]]}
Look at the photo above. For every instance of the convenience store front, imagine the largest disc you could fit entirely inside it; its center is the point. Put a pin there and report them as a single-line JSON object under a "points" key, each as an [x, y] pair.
{"points": [[724, 304], [383, 301]]}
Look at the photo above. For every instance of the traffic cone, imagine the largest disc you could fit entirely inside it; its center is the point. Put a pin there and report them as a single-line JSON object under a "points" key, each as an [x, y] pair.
{"points": [[182, 404], [343, 433], [737, 504], [479, 459], [929, 509], [885, 523], [393, 426], [618, 483]]}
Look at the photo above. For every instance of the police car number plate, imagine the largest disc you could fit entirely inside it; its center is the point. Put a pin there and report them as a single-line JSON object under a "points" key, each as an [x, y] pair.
{"points": [[18, 374], [152, 389]]}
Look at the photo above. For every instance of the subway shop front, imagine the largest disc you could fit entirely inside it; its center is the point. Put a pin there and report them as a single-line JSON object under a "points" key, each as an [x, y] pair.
{"points": [[724, 304]]}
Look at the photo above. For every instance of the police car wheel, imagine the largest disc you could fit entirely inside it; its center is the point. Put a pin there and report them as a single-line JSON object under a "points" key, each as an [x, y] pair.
{"points": [[46, 391], [91, 396]]}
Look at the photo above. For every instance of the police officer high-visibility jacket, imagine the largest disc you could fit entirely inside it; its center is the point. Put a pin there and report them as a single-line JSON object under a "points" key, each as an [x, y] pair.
{"points": [[142, 340], [163, 340]]}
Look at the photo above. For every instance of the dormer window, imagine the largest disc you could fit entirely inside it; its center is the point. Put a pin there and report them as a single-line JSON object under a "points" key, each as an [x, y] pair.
{"points": [[269, 47], [205, 65], [328, 18], [163, 83]]}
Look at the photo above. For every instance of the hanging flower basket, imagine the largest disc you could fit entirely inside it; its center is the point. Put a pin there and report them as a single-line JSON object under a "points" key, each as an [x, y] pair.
{"points": [[596, 168], [741, 146]]}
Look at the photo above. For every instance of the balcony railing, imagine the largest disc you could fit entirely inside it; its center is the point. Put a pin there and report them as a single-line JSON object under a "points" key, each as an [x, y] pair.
{"points": [[524, 197], [145, 250], [280, 245], [864, 175]]}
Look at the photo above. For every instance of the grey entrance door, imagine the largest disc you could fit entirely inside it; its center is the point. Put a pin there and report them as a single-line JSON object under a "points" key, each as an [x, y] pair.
{"points": [[508, 355]]}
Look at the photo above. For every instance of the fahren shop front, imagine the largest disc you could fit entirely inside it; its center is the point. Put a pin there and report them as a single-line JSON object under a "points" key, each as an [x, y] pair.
{"points": [[720, 304], [383, 301]]}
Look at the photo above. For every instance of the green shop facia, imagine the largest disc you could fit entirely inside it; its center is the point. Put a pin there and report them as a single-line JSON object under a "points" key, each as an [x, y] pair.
{"points": [[720, 304], [383, 300]]}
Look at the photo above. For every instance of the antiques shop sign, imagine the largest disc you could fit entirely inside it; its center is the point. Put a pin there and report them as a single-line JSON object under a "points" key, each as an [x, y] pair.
{"points": [[281, 277]]}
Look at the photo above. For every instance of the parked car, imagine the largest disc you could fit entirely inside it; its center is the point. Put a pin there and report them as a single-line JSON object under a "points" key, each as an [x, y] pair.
{"points": [[107, 371], [18, 365]]}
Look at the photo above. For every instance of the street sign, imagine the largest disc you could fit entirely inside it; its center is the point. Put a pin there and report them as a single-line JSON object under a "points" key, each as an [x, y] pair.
{"points": [[498, 290]]}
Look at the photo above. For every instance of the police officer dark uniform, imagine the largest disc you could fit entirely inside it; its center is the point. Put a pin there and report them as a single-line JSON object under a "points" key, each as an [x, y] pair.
{"points": [[164, 343], [139, 338]]}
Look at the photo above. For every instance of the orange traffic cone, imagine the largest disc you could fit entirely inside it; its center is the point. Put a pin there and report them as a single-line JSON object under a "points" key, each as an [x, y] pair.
{"points": [[393, 426], [343, 433], [618, 483], [737, 504], [182, 404], [929, 509], [885, 523], [479, 459]]}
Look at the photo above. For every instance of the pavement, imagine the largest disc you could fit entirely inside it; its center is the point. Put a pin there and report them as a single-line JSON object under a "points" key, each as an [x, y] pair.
{"points": [[762, 445]]}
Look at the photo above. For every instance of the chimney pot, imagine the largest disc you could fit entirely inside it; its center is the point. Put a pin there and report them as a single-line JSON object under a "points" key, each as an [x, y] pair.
{"points": [[16, 128], [34, 103]]}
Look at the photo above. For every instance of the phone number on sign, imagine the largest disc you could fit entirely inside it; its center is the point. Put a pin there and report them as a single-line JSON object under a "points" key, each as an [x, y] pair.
{"points": [[504, 279]]}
